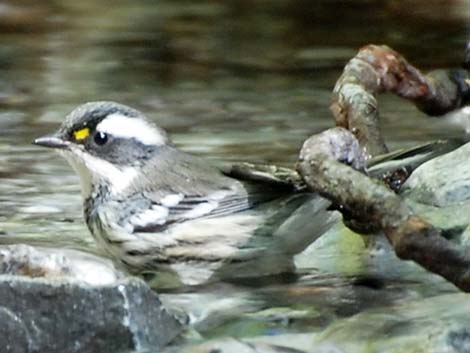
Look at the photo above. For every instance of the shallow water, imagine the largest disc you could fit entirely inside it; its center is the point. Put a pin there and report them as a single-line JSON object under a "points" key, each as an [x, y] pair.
{"points": [[233, 80]]}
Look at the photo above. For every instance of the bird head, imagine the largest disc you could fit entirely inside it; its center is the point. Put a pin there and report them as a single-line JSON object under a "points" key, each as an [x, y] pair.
{"points": [[106, 142]]}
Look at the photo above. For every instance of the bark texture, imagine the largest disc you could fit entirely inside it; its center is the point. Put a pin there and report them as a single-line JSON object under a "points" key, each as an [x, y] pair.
{"points": [[378, 69]]}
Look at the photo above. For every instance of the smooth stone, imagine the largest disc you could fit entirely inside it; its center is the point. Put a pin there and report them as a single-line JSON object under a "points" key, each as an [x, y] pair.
{"points": [[13, 333], [442, 181], [55, 263], [40, 315], [63, 300]]}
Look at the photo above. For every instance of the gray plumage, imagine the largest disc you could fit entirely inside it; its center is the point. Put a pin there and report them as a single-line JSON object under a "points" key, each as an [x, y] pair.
{"points": [[154, 207]]}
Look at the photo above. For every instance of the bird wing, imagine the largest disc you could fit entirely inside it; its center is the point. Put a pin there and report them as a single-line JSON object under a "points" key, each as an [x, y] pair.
{"points": [[161, 212], [177, 187], [269, 174], [175, 198]]}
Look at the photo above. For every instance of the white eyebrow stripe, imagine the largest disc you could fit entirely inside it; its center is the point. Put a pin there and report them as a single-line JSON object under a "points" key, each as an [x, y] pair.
{"points": [[119, 125]]}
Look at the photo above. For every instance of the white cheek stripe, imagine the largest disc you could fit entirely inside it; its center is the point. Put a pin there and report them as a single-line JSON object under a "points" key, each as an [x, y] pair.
{"points": [[122, 126]]}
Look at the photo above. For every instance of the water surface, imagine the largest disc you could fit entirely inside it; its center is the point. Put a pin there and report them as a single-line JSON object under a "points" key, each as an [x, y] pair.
{"points": [[230, 80]]}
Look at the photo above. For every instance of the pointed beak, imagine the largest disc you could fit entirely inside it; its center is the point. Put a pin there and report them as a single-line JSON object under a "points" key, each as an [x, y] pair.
{"points": [[51, 141]]}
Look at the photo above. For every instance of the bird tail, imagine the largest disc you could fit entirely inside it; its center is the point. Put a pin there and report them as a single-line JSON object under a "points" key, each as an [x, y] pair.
{"points": [[305, 225], [410, 158]]}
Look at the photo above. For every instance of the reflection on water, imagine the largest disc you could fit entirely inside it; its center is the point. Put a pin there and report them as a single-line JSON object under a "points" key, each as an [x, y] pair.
{"points": [[233, 80]]}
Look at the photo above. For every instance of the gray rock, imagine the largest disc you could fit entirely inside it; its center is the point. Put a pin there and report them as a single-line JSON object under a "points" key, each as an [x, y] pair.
{"points": [[54, 263], [62, 300], [40, 315], [441, 181]]}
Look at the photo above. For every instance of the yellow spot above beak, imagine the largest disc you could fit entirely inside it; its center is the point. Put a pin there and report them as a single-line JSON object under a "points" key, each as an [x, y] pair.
{"points": [[81, 134]]}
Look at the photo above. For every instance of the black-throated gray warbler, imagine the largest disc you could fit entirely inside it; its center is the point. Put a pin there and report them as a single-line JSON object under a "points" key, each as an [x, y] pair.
{"points": [[153, 206]]}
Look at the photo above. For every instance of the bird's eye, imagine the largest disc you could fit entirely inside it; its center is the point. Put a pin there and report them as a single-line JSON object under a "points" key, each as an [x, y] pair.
{"points": [[100, 138]]}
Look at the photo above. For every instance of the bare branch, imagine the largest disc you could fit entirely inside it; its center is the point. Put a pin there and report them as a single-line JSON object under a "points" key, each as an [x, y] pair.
{"points": [[371, 202], [377, 69]]}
